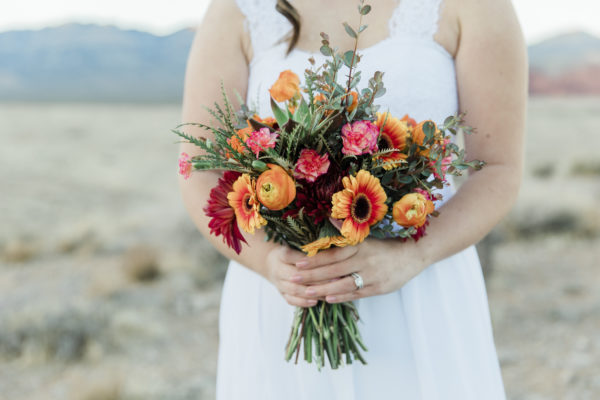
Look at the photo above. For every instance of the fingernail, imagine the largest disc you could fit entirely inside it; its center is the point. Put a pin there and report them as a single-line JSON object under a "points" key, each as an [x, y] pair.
{"points": [[312, 302], [310, 291], [296, 278], [330, 299], [301, 264]]}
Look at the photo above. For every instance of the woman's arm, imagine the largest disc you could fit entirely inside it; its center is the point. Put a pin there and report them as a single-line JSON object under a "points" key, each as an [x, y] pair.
{"points": [[491, 69], [217, 55]]}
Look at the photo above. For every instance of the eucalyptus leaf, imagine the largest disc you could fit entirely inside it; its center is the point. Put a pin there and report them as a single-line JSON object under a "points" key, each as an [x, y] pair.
{"points": [[350, 31], [365, 9], [325, 50], [349, 58]]}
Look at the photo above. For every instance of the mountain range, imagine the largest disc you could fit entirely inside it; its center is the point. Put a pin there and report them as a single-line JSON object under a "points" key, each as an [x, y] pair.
{"points": [[76, 62], [91, 62]]}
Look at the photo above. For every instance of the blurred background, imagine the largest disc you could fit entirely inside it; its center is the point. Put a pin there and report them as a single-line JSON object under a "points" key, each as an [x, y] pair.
{"points": [[107, 290]]}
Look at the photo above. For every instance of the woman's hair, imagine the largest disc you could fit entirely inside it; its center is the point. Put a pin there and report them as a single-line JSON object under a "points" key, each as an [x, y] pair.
{"points": [[288, 11]]}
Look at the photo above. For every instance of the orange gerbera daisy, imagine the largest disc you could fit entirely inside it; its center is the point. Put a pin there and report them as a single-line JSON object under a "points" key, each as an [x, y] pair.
{"points": [[394, 133], [245, 204], [361, 204]]}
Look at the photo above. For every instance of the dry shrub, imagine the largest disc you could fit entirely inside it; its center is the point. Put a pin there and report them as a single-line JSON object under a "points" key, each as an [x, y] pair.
{"points": [[19, 250], [586, 168], [141, 263], [544, 171]]}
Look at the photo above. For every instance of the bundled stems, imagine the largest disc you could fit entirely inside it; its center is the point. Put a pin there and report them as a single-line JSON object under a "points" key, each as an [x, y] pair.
{"points": [[326, 330]]}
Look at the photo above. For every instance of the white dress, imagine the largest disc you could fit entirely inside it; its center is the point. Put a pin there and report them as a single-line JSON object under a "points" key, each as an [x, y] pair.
{"points": [[430, 340]]}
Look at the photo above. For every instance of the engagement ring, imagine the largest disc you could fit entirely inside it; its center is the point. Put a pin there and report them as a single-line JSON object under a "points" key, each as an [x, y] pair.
{"points": [[358, 280]]}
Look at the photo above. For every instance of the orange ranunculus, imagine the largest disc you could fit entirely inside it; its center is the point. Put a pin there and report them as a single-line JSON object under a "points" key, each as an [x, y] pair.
{"points": [[361, 204], [354, 103], [245, 204], [418, 136], [286, 86], [320, 98], [412, 210], [324, 243], [269, 121], [393, 136], [275, 188], [409, 121]]}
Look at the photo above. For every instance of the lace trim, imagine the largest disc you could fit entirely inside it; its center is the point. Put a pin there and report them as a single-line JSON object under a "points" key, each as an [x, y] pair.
{"points": [[415, 18], [267, 28], [265, 25]]}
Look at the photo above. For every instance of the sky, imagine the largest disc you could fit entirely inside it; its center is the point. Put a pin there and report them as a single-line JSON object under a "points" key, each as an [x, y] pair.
{"points": [[539, 18]]}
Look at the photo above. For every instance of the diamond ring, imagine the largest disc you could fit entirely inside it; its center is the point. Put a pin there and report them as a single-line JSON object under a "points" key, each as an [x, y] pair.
{"points": [[358, 280]]}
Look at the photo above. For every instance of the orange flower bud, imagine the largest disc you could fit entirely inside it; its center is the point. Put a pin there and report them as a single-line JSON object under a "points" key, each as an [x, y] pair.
{"points": [[354, 103], [275, 188], [412, 210], [286, 86], [418, 136]]}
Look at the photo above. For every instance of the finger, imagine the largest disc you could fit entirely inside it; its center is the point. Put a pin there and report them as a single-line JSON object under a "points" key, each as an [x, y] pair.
{"points": [[338, 287], [324, 273], [337, 223], [291, 256], [352, 295], [327, 257], [293, 289], [298, 301]]}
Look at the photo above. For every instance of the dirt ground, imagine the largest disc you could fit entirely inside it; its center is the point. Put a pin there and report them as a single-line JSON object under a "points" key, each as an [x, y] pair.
{"points": [[108, 292]]}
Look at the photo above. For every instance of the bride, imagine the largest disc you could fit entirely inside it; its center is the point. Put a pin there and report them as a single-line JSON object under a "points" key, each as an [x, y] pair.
{"points": [[424, 304]]}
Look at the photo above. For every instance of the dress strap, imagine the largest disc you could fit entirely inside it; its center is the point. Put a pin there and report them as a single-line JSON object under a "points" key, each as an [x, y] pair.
{"points": [[263, 23], [415, 18]]}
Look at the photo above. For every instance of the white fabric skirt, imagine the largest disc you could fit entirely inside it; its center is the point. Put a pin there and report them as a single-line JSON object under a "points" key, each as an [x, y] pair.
{"points": [[430, 340]]}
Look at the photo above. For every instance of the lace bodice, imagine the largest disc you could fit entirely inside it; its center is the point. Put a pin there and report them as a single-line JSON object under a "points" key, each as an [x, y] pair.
{"points": [[412, 18], [419, 73]]}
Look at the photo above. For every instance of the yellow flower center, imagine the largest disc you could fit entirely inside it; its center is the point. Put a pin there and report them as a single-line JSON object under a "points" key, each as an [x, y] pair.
{"points": [[361, 208]]}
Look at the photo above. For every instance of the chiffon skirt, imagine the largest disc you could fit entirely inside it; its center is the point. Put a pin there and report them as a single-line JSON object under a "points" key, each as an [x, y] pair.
{"points": [[430, 340]]}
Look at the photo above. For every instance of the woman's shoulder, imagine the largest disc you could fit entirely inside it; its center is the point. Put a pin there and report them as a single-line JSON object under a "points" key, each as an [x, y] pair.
{"points": [[488, 17]]}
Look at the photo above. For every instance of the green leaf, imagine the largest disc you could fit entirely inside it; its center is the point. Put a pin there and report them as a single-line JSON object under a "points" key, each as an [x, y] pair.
{"points": [[362, 28], [349, 58], [428, 129], [325, 50], [328, 230], [380, 92], [280, 116], [302, 112], [365, 9], [350, 31]]}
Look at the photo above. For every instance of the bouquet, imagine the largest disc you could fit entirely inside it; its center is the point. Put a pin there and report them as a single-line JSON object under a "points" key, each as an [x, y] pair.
{"points": [[326, 159]]}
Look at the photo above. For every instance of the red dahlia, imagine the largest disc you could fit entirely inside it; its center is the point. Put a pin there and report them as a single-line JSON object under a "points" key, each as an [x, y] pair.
{"points": [[316, 197], [222, 216]]}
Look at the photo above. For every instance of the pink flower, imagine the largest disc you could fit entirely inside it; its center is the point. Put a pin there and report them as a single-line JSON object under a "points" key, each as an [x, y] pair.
{"points": [[311, 165], [185, 165], [446, 161], [360, 138], [261, 139]]}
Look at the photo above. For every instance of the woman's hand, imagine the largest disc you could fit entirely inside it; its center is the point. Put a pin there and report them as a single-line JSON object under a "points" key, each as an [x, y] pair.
{"points": [[384, 265], [284, 266]]}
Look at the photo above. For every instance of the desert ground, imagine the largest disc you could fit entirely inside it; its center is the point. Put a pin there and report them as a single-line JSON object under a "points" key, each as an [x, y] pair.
{"points": [[109, 292]]}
